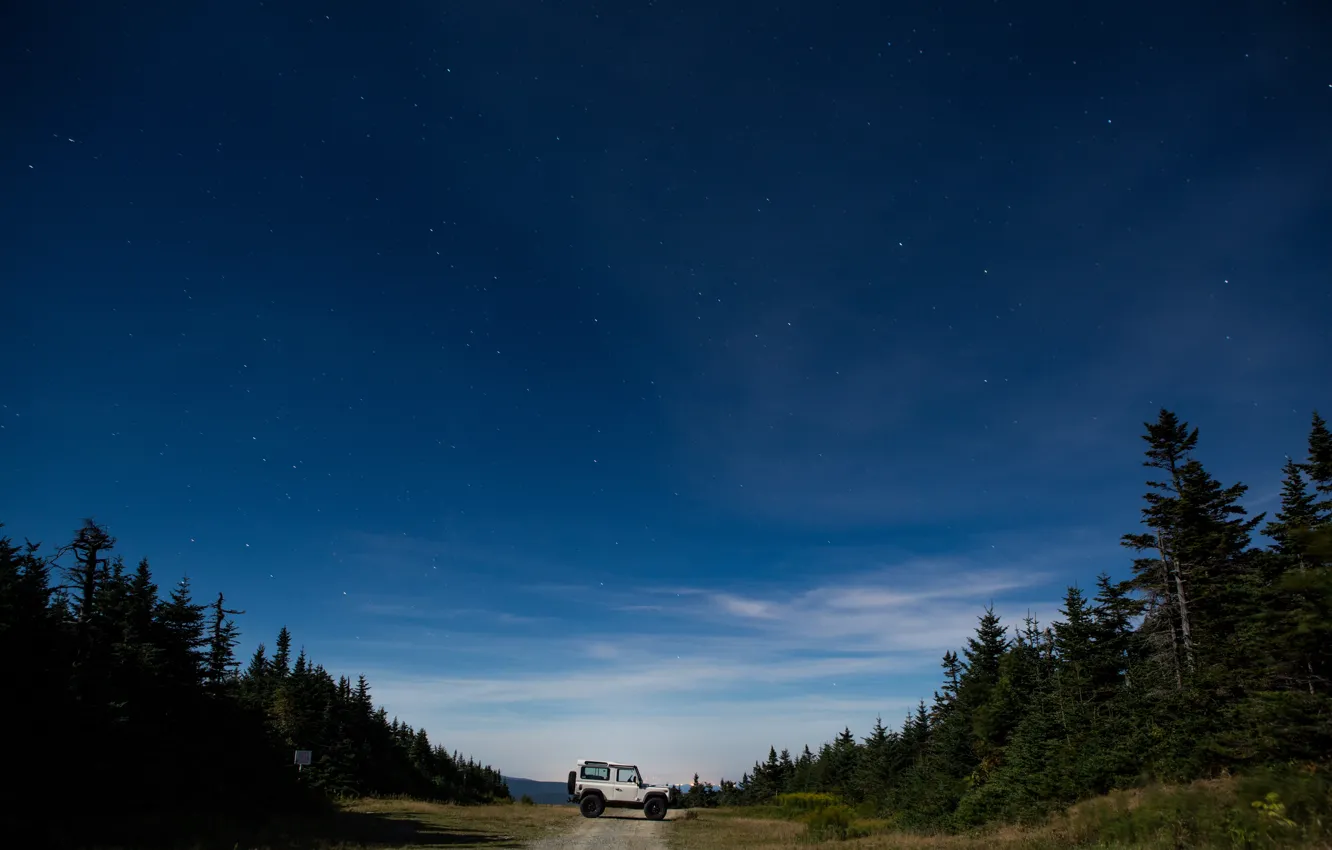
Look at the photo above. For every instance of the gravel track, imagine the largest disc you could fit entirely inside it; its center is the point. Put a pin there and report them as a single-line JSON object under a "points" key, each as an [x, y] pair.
{"points": [[626, 830]]}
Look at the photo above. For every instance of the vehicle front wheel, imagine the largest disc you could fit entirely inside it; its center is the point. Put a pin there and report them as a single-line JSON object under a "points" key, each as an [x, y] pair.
{"points": [[592, 806], [655, 808]]}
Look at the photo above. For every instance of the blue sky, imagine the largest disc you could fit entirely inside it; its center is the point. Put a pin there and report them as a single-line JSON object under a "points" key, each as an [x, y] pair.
{"points": [[653, 383]]}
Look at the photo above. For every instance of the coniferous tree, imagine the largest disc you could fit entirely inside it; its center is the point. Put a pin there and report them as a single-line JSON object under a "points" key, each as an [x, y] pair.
{"points": [[88, 547], [874, 772], [1113, 616], [281, 664], [1162, 579], [125, 677], [1319, 465], [223, 635], [1298, 515]]}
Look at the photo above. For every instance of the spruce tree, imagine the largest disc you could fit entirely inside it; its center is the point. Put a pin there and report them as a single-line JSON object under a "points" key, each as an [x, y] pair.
{"points": [[89, 547], [1162, 578], [983, 652], [1113, 614], [281, 665], [1299, 513], [223, 635], [875, 770], [953, 668], [182, 619], [785, 771], [1319, 465], [1074, 645]]}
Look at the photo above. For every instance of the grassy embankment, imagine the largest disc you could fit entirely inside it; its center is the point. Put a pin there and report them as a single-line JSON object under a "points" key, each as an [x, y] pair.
{"points": [[1265, 811]]}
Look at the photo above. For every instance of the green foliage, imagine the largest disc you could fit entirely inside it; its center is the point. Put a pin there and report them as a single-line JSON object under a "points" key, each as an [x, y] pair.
{"points": [[803, 802], [1270, 808], [829, 822], [700, 796], [826, 817], [1214, 658]]}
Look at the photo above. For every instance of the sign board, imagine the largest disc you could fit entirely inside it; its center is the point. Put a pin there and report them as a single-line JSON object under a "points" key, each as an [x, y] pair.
{"points": [[302, 758]]}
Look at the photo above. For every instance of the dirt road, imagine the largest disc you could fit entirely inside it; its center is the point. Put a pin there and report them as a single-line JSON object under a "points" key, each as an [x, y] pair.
{"points": [[611, 831]]}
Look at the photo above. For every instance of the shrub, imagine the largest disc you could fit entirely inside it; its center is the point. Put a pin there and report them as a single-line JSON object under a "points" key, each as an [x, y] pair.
{"points": [[806, 802], [1278, 808], [830, 822]]}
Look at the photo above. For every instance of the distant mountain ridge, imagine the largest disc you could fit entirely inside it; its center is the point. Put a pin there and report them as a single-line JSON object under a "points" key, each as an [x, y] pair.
{"points": [[545, 793]]}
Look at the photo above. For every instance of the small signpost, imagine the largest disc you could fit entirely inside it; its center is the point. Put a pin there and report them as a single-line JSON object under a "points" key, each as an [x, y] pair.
{"points": [[302, 759]]}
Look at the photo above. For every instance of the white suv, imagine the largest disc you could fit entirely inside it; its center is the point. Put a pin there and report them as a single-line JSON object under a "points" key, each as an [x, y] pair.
{"points": [[598, 785]]}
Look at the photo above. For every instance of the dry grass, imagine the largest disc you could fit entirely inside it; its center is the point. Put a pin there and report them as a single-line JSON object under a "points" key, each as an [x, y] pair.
{"points": [[722, 829], [398, 824], [440, 825]]}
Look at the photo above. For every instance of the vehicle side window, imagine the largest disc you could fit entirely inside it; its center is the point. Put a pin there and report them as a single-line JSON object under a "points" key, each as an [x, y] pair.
{"points": [[626, 774], [596, 773]]}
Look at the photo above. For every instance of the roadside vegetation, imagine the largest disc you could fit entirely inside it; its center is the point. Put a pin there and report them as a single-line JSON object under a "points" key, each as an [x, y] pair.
{"points": [[1286, 808]]}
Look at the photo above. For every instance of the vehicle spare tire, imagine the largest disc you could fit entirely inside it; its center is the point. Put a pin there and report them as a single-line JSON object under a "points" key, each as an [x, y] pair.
{"points": [[573, 777]]}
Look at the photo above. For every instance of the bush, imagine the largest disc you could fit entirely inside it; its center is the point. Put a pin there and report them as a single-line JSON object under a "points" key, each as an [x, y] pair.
{"points": [[1274, 808], [806, 802], [527, 800], [835, 822]]}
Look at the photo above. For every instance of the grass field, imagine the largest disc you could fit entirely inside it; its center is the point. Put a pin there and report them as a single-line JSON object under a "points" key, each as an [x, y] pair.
{"points": [[434, 825], [399, 824], [721, 829]]}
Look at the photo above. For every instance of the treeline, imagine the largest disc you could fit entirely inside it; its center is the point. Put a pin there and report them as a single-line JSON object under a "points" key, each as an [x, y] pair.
{"points": [[128, 708], [1215, 656]]}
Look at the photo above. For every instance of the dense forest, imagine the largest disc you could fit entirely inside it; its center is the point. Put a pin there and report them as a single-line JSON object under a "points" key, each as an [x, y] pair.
{"points": [[132, 710], [1213, 657]]}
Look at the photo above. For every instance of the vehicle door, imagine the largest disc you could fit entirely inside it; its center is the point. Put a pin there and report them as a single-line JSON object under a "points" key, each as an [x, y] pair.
{"points": [[626, 784]]}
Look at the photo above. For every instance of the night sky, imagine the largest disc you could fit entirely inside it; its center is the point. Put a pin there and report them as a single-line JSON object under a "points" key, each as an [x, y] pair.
{"points": [[652, 381]]}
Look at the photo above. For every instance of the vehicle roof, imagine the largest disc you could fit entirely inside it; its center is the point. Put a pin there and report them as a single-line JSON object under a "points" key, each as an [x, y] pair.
{"points": [[607, 763]]}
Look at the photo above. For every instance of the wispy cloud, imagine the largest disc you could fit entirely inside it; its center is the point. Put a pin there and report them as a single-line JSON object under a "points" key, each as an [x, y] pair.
{"points": [[695, 677], [629, 683], [444, 615]]}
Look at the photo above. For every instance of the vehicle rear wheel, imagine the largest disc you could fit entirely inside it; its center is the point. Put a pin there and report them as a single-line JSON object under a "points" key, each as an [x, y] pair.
{"points": [[592, 806], [655, 808]]}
